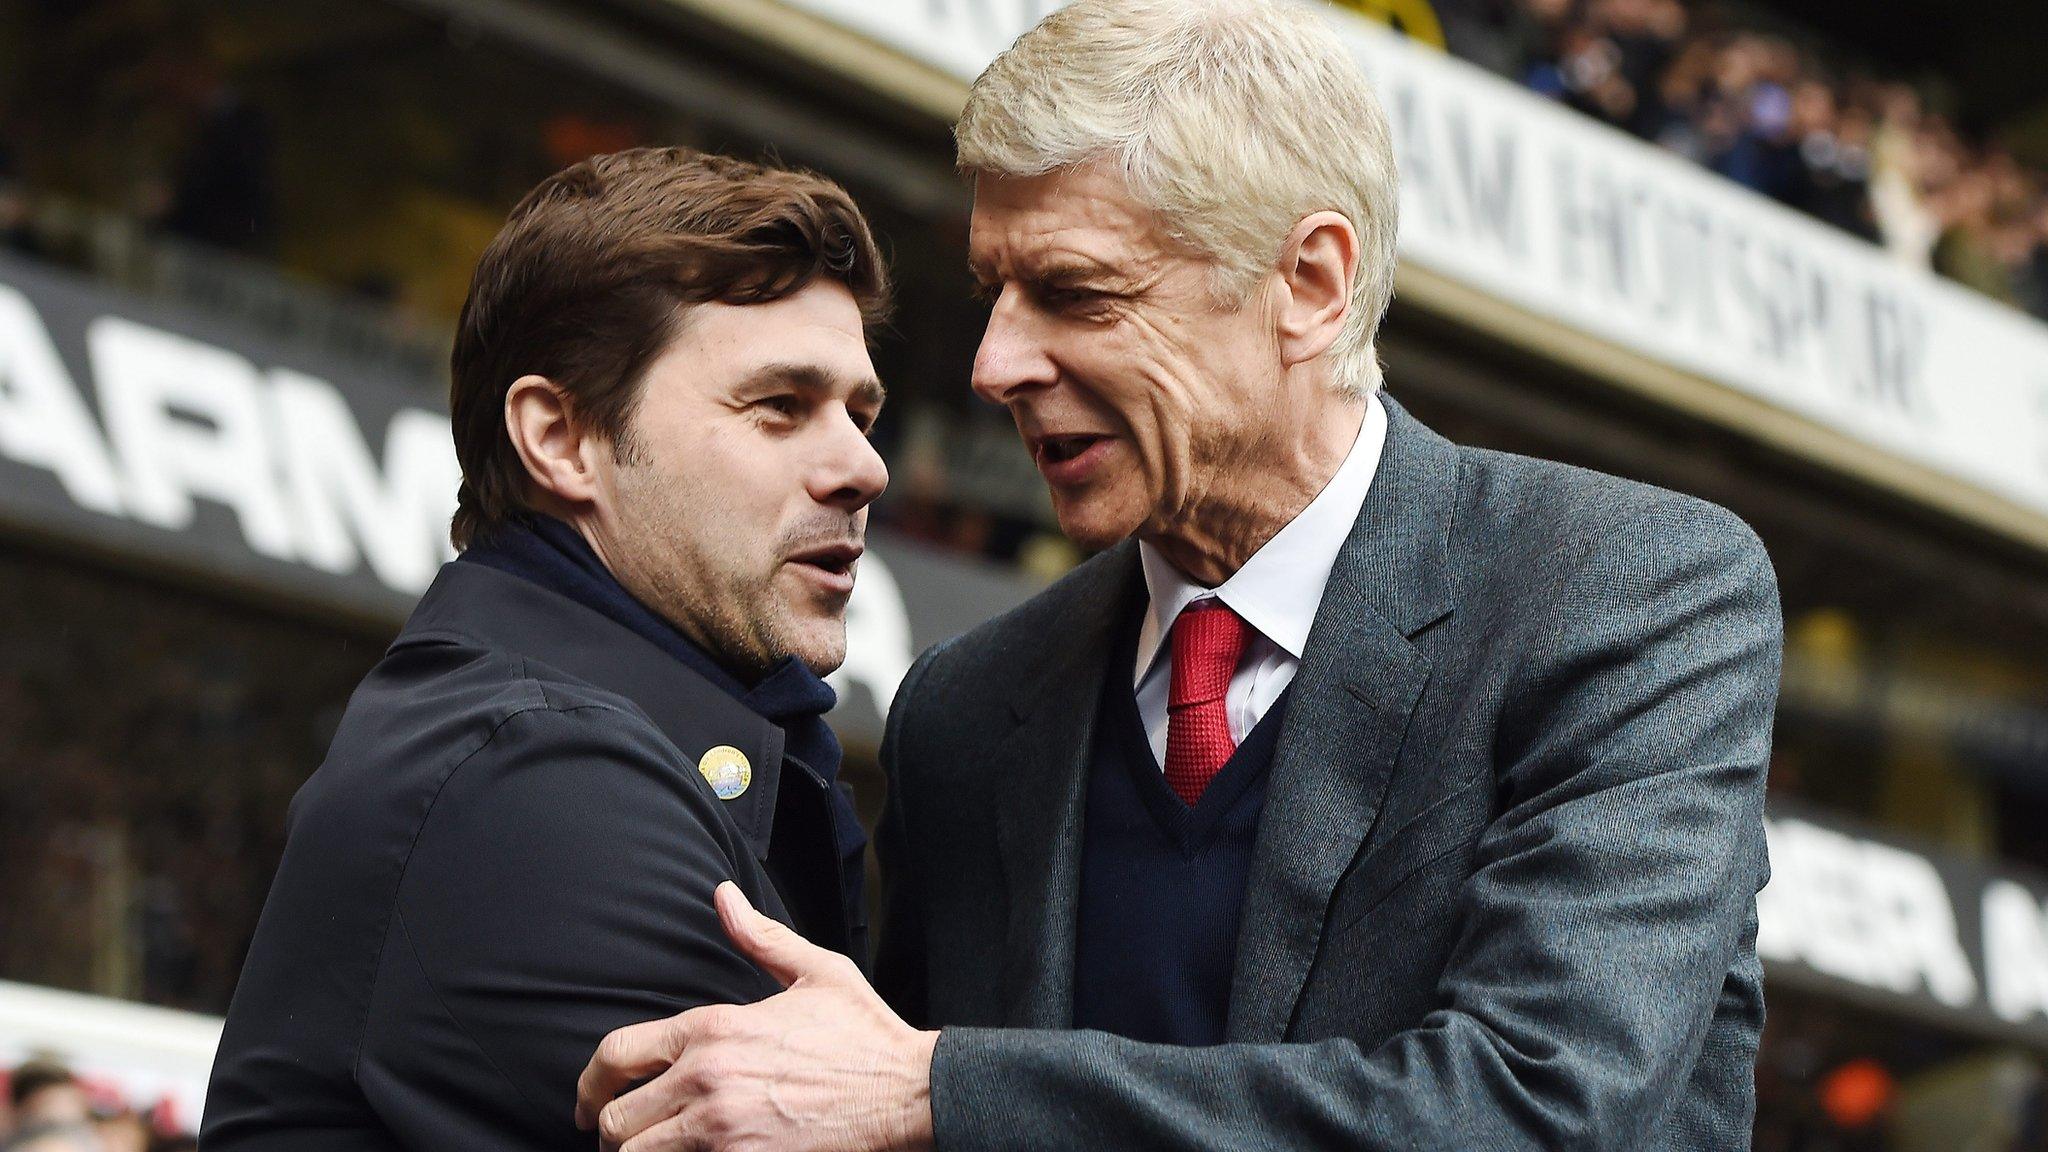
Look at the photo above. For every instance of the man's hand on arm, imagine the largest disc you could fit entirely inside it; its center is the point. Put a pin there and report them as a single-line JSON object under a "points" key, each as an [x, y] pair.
{"points": [[824, 1066]]}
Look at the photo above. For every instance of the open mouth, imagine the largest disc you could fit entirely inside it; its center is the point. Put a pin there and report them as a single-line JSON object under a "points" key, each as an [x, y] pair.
{"points": [[835, 559], [1060, 449]]}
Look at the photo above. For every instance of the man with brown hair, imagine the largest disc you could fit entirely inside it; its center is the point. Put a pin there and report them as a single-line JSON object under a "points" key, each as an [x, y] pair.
{"points": [[611, 702]]}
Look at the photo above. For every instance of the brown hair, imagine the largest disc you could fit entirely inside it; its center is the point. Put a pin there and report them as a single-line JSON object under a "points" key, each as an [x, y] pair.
{"points": [[594, 269], [34, 1076]]}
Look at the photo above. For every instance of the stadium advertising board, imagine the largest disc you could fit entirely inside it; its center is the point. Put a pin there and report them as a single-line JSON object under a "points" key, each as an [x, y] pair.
{"points": [[1571, 222], [173, 441], [140, 431], [1876, 919]]}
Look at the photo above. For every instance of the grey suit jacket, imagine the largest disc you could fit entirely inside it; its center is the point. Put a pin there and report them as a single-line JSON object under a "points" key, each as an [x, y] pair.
{"points": [[1504, 889]]}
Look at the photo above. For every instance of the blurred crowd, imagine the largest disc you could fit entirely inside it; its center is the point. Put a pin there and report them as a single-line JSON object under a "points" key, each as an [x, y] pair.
{"points": [[1785, 118], [147, 884], [218, 190], [49, 1109], [1859, 152]]}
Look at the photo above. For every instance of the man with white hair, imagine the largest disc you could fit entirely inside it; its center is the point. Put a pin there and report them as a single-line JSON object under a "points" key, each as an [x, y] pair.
{"points": [[1365, 792]]}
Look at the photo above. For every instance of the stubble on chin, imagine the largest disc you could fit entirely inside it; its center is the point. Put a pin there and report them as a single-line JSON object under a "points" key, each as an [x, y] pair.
{"points": [[811, 628]]}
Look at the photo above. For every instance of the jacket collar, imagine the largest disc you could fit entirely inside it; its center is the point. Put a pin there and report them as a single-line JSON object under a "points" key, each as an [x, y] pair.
{"points": [[1042, 769], [1362, 677], [1396, 561], [502, 612]]}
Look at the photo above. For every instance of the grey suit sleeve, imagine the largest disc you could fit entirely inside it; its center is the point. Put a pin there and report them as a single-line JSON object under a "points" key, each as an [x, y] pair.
{"points": [[560, 888], [1613, 895]]}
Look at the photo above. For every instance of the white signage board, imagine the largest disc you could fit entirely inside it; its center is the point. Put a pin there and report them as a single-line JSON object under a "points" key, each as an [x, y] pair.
{"points": [[148, 1057], [1888, 919], [1571, 221]]}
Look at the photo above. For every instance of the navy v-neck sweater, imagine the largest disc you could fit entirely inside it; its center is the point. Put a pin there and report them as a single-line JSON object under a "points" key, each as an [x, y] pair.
{"points": [[1162, 885]]}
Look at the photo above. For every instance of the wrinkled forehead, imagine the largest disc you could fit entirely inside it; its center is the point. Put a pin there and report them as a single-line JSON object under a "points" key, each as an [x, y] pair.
{"points": [[1068, 220]]}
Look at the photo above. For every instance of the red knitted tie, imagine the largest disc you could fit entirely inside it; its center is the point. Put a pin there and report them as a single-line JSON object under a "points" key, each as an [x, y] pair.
{"points": [[1208, 638]]}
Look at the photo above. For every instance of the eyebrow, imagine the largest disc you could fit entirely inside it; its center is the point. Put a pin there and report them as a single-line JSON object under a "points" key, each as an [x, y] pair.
{"points": [[1059, 272], [811, 378]]}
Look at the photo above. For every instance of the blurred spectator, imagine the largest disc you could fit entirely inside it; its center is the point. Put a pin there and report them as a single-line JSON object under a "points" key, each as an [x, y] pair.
{"points": [[1901, 157], [220, 192], [1678, 119], [1833, 178], [1475, 30], [54, 1138], [16, 227], [121, 1129], [54, 1111], [2029, 247], [1966, 252], [1866, 157], [1646, 36], [44, 1093], [1753, 85], [16, 233]]}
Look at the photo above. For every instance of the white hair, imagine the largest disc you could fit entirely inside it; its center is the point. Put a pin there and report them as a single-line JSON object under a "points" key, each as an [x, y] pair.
{"points": [[1231, 120]]}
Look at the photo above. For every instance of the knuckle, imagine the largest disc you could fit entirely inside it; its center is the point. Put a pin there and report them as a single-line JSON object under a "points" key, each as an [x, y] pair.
{"points": [[663, 1138], [711, 1022], [696, 1077], [714, 1072], [612, 1050], [611, 1123], [677, 1028]]}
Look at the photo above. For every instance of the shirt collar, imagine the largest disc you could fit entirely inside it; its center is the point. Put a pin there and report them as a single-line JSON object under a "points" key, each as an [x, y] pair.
{"points": [[1279, 588]]}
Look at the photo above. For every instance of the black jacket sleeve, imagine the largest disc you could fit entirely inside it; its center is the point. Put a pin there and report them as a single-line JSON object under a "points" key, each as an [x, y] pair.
{"points": [[560, 888], [899, 965]]}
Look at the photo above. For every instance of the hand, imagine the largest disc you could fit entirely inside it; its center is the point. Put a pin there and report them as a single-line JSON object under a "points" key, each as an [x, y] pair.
{"points": [[824, 1066]]}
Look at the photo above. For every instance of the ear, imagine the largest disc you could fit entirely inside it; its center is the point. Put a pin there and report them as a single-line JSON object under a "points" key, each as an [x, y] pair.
{"points": [[560, 458], [1318, 267]]}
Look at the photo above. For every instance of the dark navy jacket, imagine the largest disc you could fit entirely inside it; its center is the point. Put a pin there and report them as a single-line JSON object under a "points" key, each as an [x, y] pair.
{"points": [[508, 853]]}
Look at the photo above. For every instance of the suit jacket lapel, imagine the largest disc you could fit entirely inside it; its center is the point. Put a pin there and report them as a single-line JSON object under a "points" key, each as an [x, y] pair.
{"points": [[1360, 679], [1043, 770]]}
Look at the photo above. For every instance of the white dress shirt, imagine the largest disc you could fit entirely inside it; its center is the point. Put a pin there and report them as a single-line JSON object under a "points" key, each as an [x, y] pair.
{"points": [[1276, 592]]}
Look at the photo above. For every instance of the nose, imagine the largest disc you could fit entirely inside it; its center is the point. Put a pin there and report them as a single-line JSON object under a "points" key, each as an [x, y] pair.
{"points": [[1012, 357], [849, 474]]}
